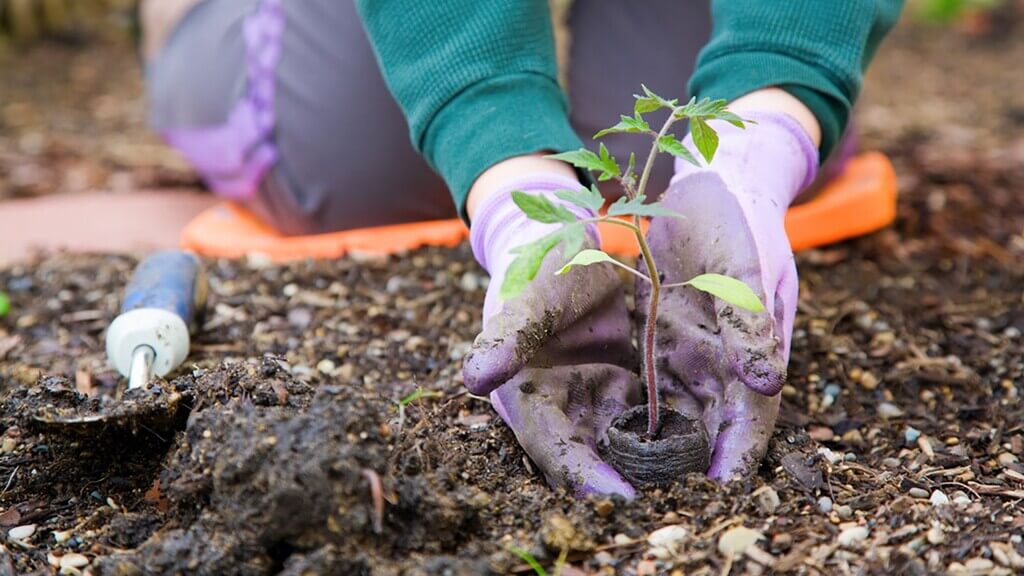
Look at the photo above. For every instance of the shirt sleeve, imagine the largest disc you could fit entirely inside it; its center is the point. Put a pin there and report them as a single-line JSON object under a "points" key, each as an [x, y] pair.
{"points": [[817, 50], [477, 81]]}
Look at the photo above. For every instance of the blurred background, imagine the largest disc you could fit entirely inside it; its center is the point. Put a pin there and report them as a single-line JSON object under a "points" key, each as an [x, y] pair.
{"points": [[72, 108]]}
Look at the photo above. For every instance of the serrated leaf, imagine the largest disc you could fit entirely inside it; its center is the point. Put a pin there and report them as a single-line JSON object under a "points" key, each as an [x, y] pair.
{"points": [[708, 109], [523, 269], [635, 125], [590, 198], [609, 167], [585, 258], [729, 289], [581, 158], [650, 102], [673, 146], [636, 206], [538, 207], [704, 138]]}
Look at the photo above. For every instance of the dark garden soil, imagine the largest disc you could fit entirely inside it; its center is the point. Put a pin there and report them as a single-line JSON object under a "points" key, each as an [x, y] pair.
{"points": [[283, 446]]}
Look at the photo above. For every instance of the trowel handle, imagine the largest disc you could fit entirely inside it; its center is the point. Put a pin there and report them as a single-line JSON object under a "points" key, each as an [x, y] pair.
{"points": [[172, 280], [162, 302]]}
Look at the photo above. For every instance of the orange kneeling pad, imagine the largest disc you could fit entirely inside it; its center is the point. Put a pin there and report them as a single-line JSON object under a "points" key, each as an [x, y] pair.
{"points": [[860, 200]]}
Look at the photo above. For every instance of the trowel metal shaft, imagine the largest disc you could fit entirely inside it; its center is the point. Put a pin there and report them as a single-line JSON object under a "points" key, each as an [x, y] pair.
{"points": [[161, 302]]}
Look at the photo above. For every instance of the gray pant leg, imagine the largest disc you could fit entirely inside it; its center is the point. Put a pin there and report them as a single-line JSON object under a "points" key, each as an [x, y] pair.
{"points": [[617, 45], [344, 156], [199, 74]]}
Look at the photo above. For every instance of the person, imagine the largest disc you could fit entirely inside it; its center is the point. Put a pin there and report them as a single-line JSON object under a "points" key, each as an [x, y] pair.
{"points": [[327, 115]]}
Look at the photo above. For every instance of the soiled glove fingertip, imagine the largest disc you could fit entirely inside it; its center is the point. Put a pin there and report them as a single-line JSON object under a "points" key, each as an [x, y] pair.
{"points": [[605, 481], [766, 376]]}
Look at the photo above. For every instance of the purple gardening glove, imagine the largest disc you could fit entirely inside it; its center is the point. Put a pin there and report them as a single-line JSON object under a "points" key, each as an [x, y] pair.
{"points": [[716, 362], [556, 358]]}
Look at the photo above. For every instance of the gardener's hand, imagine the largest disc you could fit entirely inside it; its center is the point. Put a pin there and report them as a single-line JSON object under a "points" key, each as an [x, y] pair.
{"points": [[716, 362], [555, 358]]}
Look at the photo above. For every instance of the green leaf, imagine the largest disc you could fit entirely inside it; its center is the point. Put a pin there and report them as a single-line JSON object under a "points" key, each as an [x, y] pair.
{"points": [[729, 289], [627, 207], [5, 305], [538, 207], [586, 258], [529, 559], [524, 268], [650, 102], [583, 158], [704, 138], [635, 125], [609, 167], [708, 109], [590, 198], [673, 146]]}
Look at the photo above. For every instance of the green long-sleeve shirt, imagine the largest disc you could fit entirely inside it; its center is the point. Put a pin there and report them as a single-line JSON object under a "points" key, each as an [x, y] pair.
{"points": [[477, 80]]}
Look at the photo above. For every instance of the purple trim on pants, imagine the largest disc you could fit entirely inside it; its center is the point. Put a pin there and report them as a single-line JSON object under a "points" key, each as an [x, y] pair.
{"points": [[233, 158]]}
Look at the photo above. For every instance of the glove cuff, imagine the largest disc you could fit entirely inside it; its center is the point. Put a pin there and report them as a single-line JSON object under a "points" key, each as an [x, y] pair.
{"points": [[499, 225], [773, 145]]}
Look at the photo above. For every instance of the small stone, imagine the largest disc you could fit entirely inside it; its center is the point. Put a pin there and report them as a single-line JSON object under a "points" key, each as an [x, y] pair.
{"points": [[889, 410], [918, 492], [736, 540], [891, 462], [935, 535], [646, 568], [469, 282], [61, 536], [853, 536], [833, 390], [1005, 459], [825, 504], [979, 565], [290, 290], [868, 381], [668, 541], [8, 445], [768, 501], [939, 498], [22, 532], [788, 391], [853, 437], [73, 560], [325, 367], [911, 434], [821, 433], [604, 558], [830, 456], [621, 539], [961, 498], [844, 512], [604, 507]]}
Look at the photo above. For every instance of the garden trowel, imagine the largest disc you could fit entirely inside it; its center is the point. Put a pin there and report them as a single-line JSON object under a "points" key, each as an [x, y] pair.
{"points": [[150, 337]]}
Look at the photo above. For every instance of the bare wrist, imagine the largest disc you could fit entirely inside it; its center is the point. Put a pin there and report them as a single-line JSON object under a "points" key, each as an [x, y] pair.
{"points": [[778, 100], [495, 177]]}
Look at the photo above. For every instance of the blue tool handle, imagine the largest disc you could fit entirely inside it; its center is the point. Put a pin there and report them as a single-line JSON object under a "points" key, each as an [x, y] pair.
{"points": [[171, 280]]}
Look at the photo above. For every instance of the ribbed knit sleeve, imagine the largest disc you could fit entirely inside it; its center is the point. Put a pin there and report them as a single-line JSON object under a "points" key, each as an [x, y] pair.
{"points": [[477, 81], [816, 50]]}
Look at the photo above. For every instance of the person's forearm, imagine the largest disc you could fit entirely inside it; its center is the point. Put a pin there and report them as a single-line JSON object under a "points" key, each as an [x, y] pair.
{"points": [[477, 81], [815, 51]]}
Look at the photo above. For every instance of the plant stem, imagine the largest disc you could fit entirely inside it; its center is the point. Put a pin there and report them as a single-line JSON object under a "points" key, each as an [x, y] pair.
{"points": [[651, 325]]}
